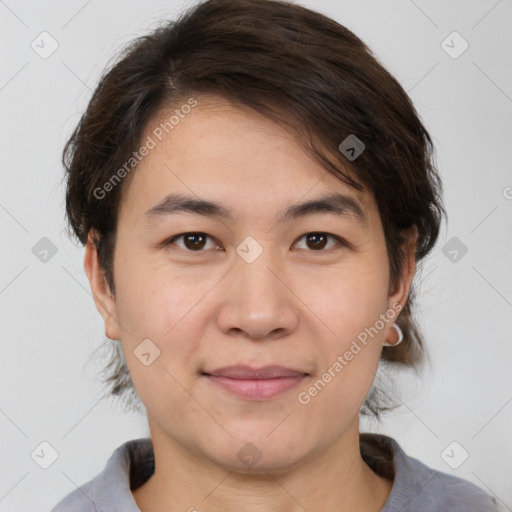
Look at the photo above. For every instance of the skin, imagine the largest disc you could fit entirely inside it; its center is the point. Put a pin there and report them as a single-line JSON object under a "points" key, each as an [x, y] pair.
{"points": [[295, 305]]}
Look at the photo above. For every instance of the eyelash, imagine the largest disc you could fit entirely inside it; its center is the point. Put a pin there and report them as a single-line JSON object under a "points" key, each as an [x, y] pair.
{"points": [[340, 240]]}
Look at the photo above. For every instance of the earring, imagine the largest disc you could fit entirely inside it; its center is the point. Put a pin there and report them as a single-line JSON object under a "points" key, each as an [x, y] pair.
{"points": [[400, 337]]}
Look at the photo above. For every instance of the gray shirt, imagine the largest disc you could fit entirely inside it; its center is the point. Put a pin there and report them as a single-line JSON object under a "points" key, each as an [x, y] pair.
{"points": [[416, 487]]}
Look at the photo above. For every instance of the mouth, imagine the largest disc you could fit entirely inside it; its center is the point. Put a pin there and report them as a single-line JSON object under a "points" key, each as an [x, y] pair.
{"points": [[255, 383]]}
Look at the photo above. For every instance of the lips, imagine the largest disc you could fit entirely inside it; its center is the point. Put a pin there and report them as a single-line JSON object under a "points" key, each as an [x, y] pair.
{"points": [[255, 383], [248, 373]]}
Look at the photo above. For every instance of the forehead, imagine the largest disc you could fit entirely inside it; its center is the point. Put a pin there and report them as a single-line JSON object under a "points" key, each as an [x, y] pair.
{"points": [[233, 156]]}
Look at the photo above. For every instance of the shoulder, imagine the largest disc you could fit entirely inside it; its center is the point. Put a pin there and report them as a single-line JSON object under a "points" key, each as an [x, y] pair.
{"points": [[419, 488], [80, 500], [110, 489]]}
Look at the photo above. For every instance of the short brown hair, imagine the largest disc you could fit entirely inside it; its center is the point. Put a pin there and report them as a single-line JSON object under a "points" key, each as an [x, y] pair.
{"points": [[299, 68]]}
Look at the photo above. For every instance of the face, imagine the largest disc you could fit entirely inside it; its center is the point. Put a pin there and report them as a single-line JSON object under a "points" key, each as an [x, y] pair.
{"points": [[198, 292]]}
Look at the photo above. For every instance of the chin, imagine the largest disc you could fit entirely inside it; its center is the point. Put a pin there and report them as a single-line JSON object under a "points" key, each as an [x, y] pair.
{"points": [[258, 453]]}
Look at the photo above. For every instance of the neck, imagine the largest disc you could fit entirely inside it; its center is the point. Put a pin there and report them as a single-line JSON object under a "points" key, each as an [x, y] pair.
{"points": [[336, 480]]}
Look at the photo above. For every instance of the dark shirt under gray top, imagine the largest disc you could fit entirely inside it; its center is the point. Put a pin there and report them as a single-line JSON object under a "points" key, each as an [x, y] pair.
{"points": [[416, 487]]}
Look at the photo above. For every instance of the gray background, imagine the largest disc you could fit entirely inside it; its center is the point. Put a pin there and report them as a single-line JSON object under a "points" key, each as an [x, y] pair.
{"points": [[49, 323]]}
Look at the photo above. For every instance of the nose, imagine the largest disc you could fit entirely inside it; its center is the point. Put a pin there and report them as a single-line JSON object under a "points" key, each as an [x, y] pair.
{"points": [[258, 302]]}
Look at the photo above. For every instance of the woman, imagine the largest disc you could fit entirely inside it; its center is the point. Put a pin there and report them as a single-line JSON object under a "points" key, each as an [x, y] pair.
{"points": [[254, 191]]}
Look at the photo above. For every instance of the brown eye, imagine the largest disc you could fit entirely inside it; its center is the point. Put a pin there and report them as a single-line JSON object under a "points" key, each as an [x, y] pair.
{"points": [[194, 242], [318, 241], [197, 242]]}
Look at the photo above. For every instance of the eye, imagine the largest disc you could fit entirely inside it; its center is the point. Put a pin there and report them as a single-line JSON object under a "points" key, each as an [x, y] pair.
{"points": [[318, 240], [192, 241], [197, 241]]}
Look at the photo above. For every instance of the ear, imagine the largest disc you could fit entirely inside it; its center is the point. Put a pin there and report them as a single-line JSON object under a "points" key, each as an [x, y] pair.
{"points": [[407, 271], [103, 297]]}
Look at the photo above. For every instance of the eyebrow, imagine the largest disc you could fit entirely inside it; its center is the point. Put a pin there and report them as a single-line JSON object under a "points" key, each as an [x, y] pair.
{"points": [[337, 204]]}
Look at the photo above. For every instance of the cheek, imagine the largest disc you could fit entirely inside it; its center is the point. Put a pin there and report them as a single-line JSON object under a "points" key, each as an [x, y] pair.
{"points": [[352, 307], [349, 362], [162, 345], [152, 298], [158, 313], [352, 300], [168, 316]]}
